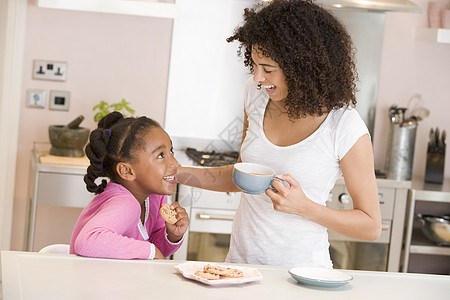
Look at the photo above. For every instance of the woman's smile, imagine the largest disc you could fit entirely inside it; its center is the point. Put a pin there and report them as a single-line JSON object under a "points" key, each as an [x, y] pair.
{"points": [[269, 75]]}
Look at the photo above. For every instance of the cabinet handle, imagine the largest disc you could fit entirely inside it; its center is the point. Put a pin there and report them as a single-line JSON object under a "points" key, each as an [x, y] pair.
{"points": [[203, 216]]}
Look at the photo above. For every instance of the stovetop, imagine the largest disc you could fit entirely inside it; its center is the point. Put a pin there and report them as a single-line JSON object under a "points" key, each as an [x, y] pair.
{"points": [[212, 158]]}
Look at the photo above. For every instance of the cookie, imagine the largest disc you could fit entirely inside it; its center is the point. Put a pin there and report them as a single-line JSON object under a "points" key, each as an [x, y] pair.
{"points": [[233, 273], [169, 215], [206, 275], [226, 272]]}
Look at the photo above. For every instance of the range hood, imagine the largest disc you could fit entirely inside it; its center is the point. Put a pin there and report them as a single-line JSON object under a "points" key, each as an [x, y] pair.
{"points": [[373, 5]]}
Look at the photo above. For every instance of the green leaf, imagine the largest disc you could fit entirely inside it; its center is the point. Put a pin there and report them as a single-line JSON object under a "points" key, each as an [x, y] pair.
{"points": [[105, 108]]}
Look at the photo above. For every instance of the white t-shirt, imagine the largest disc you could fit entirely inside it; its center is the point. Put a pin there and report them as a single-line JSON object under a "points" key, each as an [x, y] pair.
{"points": [[262, 235]]}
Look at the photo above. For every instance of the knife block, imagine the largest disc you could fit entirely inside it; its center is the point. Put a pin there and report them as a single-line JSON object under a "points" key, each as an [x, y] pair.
{"points": [[434, 171]]}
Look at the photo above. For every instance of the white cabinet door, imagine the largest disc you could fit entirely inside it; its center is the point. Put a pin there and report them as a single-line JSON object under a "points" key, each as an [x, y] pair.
{"points": [[63, 190]]}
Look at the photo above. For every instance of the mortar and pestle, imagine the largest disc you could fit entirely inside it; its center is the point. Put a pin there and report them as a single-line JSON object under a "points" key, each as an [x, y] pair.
{"points": [[68, 140]]}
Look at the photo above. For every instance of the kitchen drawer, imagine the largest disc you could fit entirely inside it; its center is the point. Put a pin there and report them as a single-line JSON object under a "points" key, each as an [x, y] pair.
{"points": [[211, 221], [62, 190], [195, 197]]}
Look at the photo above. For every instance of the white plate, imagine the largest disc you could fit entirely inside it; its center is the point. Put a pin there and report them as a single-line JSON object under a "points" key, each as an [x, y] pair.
{"points": [[320, 276], [188, 269]]}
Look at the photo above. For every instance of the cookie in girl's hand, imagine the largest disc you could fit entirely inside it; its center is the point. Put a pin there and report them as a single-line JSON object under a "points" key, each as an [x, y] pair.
{"points": [[169, 215]]}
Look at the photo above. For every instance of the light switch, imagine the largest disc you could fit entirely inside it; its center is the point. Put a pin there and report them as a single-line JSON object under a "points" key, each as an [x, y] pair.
{"points": [[36, 98], [59, 100]]}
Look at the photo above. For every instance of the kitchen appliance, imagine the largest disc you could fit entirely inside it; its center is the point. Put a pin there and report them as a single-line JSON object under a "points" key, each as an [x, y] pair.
{"points": [[436, 229], [212, 158], [349, 253]]}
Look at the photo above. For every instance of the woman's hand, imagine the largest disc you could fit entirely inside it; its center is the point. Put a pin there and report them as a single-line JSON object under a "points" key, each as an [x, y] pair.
{"points": [[175, 231], [291, 200]]}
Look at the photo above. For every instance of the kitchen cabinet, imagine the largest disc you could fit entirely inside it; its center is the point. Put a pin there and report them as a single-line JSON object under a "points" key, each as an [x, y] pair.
{"points": [[438, 35], [54, 181], [420, 254]]}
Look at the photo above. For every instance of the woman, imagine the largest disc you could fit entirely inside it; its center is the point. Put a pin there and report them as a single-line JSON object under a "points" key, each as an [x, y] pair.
{"points": [[299, 119]]}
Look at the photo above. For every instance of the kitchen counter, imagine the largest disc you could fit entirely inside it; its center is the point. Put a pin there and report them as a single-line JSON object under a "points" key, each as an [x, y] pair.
{"points": [[30, 275]]}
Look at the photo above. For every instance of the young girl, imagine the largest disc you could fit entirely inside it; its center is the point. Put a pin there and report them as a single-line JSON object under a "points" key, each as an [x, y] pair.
{"points": [[123, 220]]}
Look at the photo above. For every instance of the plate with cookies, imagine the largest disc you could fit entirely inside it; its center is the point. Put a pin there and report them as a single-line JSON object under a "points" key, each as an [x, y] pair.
{"points": [[218, 274]]}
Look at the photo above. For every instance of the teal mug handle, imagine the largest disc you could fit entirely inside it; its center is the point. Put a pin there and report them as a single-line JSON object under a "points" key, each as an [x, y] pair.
{"points": [[286, 184]]}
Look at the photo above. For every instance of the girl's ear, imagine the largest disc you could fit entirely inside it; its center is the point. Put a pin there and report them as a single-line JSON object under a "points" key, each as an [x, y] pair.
{"points": [[125, 171]]}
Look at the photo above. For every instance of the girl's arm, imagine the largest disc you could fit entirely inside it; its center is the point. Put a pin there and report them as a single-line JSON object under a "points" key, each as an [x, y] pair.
{"points": [[364, 220], [103, 236]]}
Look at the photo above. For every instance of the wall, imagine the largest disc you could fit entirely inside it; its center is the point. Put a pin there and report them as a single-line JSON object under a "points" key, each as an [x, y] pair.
{"points": [[109, 57], [409, 67], [112, 56]]}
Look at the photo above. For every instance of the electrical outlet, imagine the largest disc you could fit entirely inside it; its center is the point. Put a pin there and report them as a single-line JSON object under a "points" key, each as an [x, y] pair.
{"points": [[49, 70], [36, 98]]}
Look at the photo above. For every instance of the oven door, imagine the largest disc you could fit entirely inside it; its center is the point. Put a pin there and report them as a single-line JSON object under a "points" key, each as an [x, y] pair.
{"points": [[209, 235], [353, 254], [211, 217]]}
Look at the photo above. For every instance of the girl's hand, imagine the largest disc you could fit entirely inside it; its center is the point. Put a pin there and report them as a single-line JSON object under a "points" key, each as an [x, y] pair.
{"points": [[158, 254], [291, 200], [175, 231]]}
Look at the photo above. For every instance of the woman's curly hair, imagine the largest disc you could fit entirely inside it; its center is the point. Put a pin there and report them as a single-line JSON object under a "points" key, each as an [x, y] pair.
{"points": [[115, 140], [312, 48]]}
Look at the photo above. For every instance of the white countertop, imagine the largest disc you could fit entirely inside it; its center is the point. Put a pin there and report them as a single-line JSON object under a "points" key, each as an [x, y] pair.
{"points": [[30, 275]]}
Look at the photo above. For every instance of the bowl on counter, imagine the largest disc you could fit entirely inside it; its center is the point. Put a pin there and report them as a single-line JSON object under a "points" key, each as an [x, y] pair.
{"points": [[436, 228]]}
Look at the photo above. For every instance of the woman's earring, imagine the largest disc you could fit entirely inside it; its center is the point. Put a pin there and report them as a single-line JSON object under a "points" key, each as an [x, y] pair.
{"points": [[258, 86]]}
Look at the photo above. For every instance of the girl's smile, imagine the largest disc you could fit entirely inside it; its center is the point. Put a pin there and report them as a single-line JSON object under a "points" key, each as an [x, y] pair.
{"points": [[156, 166]]}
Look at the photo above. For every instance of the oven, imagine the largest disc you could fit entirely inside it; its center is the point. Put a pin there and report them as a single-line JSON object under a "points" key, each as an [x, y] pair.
{"points": [[349, 253], [211, 216]]}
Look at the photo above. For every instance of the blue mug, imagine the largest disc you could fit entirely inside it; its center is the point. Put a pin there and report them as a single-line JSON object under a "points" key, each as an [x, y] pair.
{"points": [[253, 178]]}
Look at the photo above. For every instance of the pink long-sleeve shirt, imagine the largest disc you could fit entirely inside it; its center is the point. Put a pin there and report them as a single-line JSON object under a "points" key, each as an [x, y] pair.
{"points": [[110, 227]]}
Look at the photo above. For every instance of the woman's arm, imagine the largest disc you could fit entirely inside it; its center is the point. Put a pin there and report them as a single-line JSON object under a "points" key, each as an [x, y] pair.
{"points": [[217, 179], [364, 220]]}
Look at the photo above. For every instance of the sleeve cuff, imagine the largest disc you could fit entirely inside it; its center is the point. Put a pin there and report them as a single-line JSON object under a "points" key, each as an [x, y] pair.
{"points": [[152, 251], [171, 243]]}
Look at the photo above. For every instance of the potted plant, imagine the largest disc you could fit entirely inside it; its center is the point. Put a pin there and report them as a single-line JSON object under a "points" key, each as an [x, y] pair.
{"points": [[105, 108]]}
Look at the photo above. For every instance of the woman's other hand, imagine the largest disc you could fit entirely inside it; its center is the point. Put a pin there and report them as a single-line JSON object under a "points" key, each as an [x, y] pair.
{"points": [[176, 231], [292, 199]]}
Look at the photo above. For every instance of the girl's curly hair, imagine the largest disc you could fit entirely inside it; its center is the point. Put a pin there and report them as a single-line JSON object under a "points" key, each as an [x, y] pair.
{"points": [[312, 48]]}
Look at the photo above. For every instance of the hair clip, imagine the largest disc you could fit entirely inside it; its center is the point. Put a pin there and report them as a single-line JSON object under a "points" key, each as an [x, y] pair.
{"points": [[108, 131]]}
